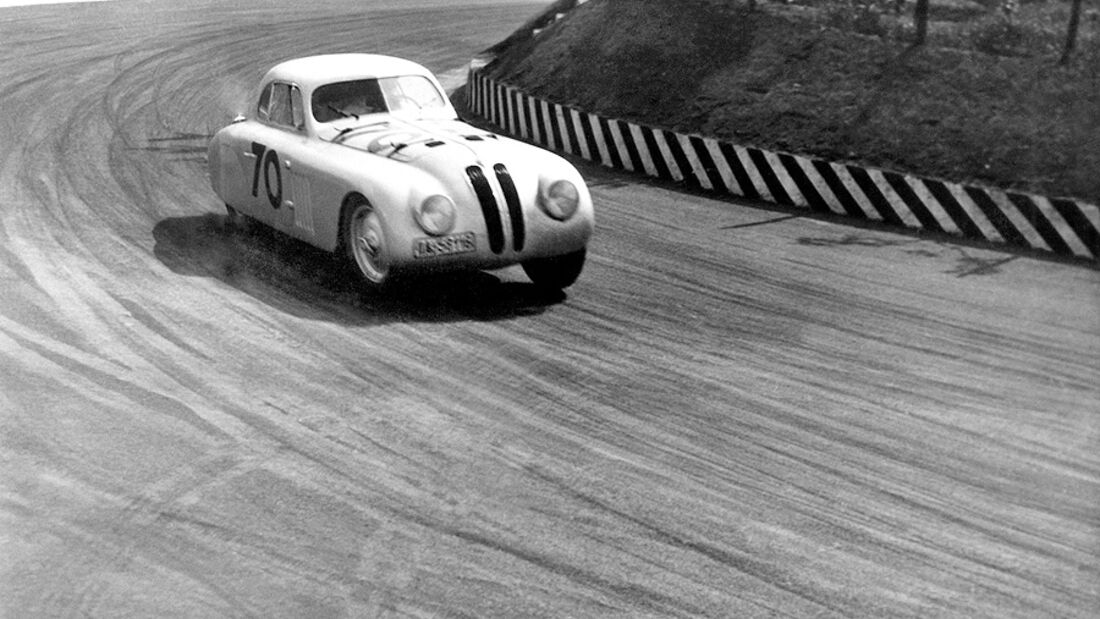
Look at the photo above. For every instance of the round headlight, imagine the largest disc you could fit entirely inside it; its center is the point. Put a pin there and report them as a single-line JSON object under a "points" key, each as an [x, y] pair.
{"points": [[561, 200], [436, 215]]}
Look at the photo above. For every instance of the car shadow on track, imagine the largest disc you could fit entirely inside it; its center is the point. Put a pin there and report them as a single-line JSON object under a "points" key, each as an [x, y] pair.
{"points": [[301, 280]]}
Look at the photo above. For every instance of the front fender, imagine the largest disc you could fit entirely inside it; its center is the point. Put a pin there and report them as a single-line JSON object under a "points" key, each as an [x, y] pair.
{"points": [[392, 187]]}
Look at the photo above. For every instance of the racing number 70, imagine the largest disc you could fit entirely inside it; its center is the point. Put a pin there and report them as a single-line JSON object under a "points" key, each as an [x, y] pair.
{"points": [[267, 159]]}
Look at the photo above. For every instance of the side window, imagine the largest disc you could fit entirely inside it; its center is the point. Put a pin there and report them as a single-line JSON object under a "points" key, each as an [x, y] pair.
{"points": [[280, 112], [297, 113], [263, 108]]}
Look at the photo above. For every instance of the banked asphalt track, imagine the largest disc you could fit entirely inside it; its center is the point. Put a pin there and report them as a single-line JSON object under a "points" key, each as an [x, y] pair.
{"points": [[735, 412]]}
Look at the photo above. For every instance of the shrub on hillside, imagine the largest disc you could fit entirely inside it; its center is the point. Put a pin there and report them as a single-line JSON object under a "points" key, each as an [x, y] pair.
{"points": [[1006, 38], [984, 101]]}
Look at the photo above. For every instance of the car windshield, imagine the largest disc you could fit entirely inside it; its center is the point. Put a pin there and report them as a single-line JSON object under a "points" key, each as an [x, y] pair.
{"points": [[355, 98]]}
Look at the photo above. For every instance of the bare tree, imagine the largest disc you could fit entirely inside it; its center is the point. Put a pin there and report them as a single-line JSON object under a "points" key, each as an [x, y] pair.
{"points": [[920, 20], [1071, 32]]}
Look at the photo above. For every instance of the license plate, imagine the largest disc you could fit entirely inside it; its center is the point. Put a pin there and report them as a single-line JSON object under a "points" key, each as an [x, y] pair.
{"points": [[444, 245]]}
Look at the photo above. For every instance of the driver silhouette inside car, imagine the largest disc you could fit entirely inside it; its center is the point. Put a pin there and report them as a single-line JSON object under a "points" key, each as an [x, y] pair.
{"points": [[348, 100]]}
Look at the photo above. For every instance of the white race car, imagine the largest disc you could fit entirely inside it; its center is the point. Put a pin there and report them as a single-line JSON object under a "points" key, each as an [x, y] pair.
{"points": [[364, 155]]}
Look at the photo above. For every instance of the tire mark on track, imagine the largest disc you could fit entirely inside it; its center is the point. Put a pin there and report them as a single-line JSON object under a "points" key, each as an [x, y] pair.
{"points": [[759, 570], [884, 444], [139, 396]]}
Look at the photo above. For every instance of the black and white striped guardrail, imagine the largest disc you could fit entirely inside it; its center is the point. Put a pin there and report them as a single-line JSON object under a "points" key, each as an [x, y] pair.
{"points": [[1060, 225]]}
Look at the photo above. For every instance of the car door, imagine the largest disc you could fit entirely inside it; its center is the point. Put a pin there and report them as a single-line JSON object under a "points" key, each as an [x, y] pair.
{"points": [[278, 141]]}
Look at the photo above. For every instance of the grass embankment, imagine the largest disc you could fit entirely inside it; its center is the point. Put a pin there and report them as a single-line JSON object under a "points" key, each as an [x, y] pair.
{"points": [[983, 101]]}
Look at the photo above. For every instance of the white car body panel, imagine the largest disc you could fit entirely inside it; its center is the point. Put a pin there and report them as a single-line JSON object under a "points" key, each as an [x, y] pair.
{"points": [[395, 160]]}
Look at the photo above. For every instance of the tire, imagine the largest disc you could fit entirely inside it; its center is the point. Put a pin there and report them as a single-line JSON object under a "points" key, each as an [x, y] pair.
{"points": [[364, 244], [235, 220], [556, 272]]}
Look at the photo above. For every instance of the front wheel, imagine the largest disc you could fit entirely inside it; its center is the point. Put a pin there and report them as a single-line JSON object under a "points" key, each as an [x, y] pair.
{"points": [[556, 272], [365, 245]]}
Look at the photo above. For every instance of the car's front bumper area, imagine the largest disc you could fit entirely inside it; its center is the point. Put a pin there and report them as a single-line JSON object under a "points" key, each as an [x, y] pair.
{"points": [[503, 214], [479, 248]]}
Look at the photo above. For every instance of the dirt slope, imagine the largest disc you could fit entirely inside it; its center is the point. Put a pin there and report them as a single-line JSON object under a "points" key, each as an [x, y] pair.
{"points": [[785, 78]]}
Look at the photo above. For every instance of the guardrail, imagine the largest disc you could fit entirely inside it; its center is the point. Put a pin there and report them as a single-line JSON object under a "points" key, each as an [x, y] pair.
{"points": [[1060, 225]]}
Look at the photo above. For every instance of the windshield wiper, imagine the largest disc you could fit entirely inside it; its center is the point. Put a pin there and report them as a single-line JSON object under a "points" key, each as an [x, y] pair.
{"points": [[341, 112], [343, 132], [347, 130]]}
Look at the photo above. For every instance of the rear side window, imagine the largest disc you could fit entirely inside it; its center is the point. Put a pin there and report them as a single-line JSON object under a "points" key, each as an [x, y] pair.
{"points": [[263, 107], [280, 112], [281, 104]]}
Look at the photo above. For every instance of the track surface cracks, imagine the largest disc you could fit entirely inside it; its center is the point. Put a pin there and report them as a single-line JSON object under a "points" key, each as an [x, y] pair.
{"points": [[735, 412]]}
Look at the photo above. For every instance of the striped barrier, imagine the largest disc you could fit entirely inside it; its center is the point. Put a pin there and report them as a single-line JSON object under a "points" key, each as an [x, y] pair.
{"points": [[1060, 225]]}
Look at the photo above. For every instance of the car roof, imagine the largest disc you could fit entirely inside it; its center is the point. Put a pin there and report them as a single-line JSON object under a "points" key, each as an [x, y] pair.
{"points": [[313, 71]]}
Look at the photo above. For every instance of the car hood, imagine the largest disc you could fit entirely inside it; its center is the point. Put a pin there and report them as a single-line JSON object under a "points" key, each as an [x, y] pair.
{"points": [[428, 144]]}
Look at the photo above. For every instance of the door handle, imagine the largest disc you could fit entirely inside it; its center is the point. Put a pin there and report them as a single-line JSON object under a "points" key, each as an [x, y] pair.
{"points": [[287, 164]]}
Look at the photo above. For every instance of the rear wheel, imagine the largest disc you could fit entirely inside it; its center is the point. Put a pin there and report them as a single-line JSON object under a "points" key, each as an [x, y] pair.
{"points": [[556, 272], [234, 219], [365, 245]]}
